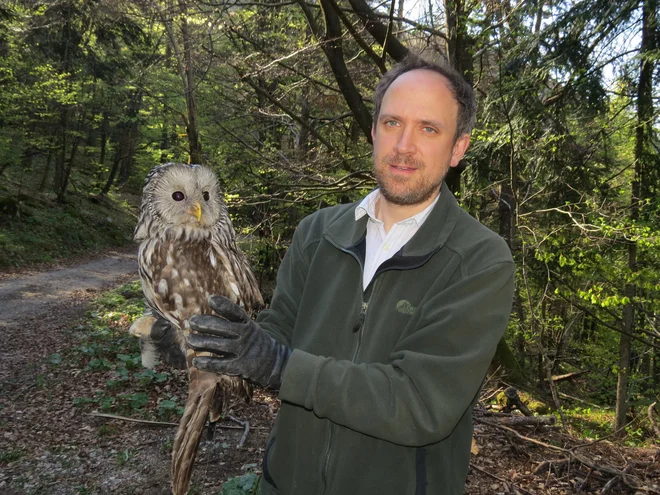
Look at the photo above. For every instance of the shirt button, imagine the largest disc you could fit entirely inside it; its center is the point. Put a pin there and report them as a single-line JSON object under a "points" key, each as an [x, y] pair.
{"points": [[387, 247]]}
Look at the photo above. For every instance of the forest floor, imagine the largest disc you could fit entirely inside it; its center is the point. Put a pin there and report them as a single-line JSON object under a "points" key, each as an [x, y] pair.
{"points": [[67, 364]]}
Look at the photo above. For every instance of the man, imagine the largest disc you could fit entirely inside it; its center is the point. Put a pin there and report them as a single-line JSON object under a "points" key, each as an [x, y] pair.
{"points": [[385, 317]]}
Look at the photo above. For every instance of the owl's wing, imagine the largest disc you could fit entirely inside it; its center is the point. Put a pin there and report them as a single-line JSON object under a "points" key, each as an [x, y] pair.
{"points": [[160, 331], [150, 271], [238, 282]]}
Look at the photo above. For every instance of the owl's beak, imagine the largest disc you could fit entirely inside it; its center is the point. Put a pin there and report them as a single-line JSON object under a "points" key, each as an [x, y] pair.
{"points": [[196, 210]]}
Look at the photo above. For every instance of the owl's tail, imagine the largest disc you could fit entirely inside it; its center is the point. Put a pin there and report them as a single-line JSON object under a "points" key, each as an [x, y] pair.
{"points": [[201, 392]]}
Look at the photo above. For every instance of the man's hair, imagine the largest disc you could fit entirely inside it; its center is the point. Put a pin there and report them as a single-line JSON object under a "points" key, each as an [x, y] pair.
{"points": [[462, 91]]}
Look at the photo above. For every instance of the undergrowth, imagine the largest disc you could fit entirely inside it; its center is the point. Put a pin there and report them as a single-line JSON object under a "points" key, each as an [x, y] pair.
{"points": [[34, 228], [106, 354]]}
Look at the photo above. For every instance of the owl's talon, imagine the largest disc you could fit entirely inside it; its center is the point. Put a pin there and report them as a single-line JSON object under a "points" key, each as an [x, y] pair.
{"points": [[142, 326]]}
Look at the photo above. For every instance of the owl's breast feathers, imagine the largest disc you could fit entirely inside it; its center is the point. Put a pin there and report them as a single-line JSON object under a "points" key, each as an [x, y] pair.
{"points": [[179, 275]]}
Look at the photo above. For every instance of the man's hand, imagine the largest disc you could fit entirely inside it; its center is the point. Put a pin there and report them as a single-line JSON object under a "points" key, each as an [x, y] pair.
{"points": [[240, 346]]}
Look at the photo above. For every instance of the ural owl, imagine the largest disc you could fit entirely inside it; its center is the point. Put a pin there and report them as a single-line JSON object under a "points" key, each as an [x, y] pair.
{"points": [[187, 253]]}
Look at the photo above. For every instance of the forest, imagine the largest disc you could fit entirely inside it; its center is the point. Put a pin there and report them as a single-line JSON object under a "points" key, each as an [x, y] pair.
{"points": [[276, 97]]}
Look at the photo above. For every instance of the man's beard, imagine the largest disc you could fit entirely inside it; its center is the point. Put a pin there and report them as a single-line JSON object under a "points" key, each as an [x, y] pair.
{"points": [[419, 190]]}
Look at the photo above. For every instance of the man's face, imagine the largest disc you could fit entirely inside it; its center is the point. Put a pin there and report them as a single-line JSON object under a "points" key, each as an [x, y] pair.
{"points": [[414, 137]]}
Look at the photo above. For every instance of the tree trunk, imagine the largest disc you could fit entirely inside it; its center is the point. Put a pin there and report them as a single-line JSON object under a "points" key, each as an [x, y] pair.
{"points": [[60, 161], [113, 171], [188, 86], [623, 376], [642, 162], [61, 179], [655, 365], [332, 47], [378, 30], [505, 360], [104, 139], [459, 41], [302, 141], [44, 177], [68, 167], [460, 58], [127, 152], [164, 144], [128, 138]]}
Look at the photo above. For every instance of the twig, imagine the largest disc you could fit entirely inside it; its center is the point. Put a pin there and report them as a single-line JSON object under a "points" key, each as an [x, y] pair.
{"points": [[568, 376], [547, 465], [570, 397], [164, 423], [526, 420], [246, 425], [133, 420], [547, 364], [631, 481], [610, 485], [501, 480]]}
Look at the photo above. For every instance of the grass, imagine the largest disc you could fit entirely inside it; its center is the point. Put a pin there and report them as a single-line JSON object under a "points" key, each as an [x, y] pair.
{"points": [[36, 229], [592, 423]]}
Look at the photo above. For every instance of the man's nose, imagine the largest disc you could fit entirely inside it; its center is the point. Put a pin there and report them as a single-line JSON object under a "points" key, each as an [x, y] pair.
{"points": [[405, 145]]}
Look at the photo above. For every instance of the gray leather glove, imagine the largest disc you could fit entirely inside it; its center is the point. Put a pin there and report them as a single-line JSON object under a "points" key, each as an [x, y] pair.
{"points": [[240, 346]]}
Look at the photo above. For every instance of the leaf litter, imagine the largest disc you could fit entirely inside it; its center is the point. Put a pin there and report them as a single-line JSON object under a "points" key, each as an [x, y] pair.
{"points": [[60, 372]]}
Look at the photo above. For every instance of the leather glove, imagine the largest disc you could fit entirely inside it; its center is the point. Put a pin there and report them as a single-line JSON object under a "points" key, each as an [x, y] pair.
{"points": [[240, 346]]}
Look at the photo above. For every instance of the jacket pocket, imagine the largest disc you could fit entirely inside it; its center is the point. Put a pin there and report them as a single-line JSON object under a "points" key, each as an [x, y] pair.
{"points": [[420, 471], [264, 466]]}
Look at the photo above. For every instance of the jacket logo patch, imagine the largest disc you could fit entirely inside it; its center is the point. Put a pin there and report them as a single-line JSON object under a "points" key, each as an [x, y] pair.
{"points": [[404, 307]]}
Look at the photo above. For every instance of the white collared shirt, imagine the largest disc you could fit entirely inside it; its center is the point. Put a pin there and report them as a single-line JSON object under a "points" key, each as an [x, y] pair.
{"points": [[381, 246]]}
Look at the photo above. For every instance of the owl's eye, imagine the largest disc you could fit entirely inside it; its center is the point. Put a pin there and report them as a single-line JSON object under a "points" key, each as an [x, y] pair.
{"points": [[178, 196], [206, 196]]}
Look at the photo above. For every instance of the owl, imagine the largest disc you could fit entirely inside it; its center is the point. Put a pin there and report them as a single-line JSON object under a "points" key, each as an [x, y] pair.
{"points": [[187, 253]]}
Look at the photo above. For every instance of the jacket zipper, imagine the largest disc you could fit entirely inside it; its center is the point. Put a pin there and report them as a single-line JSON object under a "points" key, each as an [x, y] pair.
{"points": [[358, 327], [362, 318], [326, 461]]}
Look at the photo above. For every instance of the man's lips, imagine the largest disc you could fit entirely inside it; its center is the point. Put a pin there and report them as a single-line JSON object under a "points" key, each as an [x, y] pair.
{"points": [[402, 168]]}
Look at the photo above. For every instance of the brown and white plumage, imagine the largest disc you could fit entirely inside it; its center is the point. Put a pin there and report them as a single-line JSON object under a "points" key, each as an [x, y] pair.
{"points": [[188, 252]]}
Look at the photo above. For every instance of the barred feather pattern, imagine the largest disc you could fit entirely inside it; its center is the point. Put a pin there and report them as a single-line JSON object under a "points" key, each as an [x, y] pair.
{"points": [[183, 260]]}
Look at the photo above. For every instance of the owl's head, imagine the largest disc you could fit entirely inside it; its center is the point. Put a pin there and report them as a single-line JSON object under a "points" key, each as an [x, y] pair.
{"points": [[185, 198]]}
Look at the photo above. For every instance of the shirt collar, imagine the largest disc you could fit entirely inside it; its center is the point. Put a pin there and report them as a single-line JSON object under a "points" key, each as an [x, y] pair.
{"points": [[368, 207]]}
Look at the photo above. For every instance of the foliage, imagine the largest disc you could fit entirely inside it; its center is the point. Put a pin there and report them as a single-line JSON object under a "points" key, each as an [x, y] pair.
{"points": [[107, 353], [247, 484], [40, 230]]}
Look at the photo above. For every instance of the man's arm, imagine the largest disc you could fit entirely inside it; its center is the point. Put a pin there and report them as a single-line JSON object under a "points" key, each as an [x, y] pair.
{"points": [[433, 376]]}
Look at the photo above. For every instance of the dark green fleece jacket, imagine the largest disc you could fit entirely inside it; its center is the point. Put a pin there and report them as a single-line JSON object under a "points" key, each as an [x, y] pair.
{"points": [[378, 391]]}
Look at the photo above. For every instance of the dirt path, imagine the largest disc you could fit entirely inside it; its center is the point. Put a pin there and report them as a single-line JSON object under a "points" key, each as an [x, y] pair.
{"points": [[40, 293]]}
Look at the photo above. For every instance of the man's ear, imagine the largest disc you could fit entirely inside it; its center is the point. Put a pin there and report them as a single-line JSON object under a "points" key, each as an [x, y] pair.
{"points": [[459, 149], [373, 132]]}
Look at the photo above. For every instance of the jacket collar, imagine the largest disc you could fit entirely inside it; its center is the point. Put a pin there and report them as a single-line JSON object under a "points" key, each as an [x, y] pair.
{"points": [[346, 232]]}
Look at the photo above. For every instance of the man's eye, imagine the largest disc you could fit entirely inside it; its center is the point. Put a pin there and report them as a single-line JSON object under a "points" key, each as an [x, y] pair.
{"points": [[391, 123], [429, 130]]}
